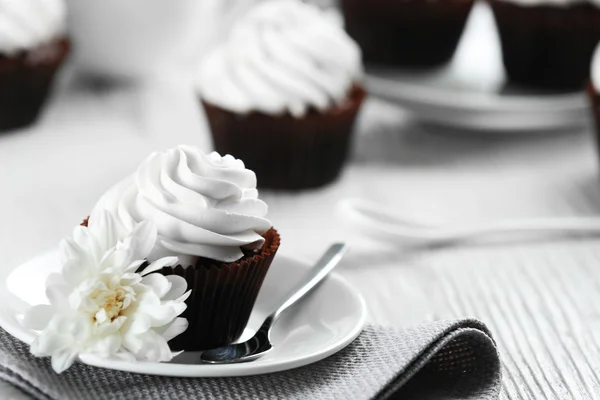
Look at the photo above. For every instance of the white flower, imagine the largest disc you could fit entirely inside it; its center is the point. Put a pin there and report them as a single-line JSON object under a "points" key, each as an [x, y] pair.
{"points": [[98, 303]]}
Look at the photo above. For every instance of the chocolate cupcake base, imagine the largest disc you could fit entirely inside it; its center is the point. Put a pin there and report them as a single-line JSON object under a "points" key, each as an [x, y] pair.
{"points": [[287, 152], [25, 80], [548, 47], [223, 296], [409, 33]]}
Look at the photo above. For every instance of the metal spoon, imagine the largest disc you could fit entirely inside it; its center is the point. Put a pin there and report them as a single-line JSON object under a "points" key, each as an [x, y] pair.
{"points": [[260, 344], [390, 226]]}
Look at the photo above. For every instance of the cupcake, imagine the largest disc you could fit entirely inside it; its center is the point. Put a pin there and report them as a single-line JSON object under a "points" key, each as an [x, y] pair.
{"points": [[593, 89], [548, 44], [406, 33], [207, 213], [32, 48], [282, 93]]}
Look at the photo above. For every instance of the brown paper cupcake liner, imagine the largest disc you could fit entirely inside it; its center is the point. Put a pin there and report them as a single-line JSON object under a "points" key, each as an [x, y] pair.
{"points": [[548, 47], [25, 80], [287, 152], [222, 297], [410, 33]]}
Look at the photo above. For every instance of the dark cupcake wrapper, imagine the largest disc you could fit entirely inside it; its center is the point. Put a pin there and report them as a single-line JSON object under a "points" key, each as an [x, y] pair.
{"points": [[287, 152], [409, 33], [222, 297], [25, 80], [547, 47]]}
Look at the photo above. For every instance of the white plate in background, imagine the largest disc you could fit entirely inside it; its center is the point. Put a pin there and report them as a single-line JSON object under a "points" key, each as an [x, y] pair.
{"points": [[471, 91], [322, 324]]}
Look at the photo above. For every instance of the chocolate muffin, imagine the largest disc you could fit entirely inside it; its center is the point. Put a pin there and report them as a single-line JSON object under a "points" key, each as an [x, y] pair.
{"points": [[546, 45], [25, 81], [283, 93], [32, 48], [406, 33], [207, 213], [288, 152]]}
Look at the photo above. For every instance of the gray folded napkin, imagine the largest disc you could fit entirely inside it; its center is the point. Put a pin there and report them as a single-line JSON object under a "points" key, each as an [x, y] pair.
{"points": [[440, 360]]}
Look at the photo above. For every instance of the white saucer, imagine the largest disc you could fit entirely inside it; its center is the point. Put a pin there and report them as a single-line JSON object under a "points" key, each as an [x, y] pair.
{"points": [[325, 322], [471, 91]]}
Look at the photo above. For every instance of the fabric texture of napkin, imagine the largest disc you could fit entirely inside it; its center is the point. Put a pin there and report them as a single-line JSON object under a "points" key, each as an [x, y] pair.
{"points": [[440, 360]]}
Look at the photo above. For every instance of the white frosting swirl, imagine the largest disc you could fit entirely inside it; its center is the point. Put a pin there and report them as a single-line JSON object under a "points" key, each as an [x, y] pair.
{"points": [[25, 24], [282, 56], [554, 3], [202, 205]]}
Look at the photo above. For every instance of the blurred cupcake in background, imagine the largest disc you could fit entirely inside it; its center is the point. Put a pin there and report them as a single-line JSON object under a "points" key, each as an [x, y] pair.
{"points": [[593, 89], [548, 44], [407, 33], [33, 45], [283, 92]]}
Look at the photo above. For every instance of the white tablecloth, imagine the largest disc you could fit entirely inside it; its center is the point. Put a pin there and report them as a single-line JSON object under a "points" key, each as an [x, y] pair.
{"points": [[51, 175]]}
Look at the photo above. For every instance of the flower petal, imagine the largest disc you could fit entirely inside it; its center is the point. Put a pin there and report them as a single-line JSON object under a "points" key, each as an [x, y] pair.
{"points": [[106, 346], [38, 317], [54, 279], [71, 250], [58, 295], [119, 258], [74, 272], [48, 343], [163, 314], [88, 243], [104, 228], [143, 239], [159, 264], [176, 328], [147, 297], [129, 279], [62, 360], [178, 287], [134, 266], [110, 328], [158, 283], [153, 348], [101, 316], [183, 297], [80, 328], [125, 356], [132, 343], [107, 259], [140, 323]]}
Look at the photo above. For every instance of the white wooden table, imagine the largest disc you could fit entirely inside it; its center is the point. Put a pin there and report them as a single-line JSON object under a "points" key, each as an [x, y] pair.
{"points": [[52, 174]]}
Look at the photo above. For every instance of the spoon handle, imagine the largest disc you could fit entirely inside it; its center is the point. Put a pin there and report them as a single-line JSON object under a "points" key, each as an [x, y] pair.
{"points": [[321, 269], [390, 225]]}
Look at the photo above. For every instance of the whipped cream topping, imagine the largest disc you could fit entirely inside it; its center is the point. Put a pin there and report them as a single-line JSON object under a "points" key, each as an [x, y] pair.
{"points": [[202, 205], [555, 3], [25, 24], [282, 56]]}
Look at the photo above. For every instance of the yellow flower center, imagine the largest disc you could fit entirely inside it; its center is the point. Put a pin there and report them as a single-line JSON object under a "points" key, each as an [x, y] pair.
{"points": [[111, 303]]}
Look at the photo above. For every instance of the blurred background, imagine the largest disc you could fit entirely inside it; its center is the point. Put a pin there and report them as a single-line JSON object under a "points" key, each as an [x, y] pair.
{"points": [[444, 112]]}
